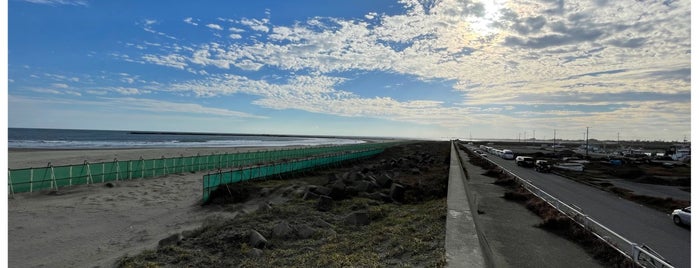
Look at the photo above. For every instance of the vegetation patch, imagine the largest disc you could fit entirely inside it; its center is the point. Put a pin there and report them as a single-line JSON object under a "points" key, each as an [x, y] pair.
{"points": [[357, 231]]}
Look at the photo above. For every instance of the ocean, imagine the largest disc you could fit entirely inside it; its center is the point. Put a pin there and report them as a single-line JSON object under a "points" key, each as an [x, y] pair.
{"points": [[32, 138]]}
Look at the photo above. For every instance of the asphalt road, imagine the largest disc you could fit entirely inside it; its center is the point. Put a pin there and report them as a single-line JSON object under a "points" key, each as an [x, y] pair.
{"points": [[639, 224]]}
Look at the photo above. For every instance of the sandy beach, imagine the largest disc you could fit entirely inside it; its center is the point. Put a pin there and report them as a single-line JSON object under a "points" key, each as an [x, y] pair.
{"points": [[93, 225], [25, 158]]}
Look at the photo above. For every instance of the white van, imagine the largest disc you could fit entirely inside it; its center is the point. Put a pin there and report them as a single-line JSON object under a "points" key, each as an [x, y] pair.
{"points": [[507, 154]]}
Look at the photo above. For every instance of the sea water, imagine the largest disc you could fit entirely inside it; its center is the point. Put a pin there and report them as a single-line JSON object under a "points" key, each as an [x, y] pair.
{"points": [[32, 138]]}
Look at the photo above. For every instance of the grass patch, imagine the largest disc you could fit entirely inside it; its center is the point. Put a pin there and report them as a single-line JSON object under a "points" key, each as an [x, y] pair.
{"points": [[412, 235]]}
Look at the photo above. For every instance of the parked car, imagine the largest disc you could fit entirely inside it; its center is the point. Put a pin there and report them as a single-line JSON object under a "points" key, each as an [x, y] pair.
{"points": [[507, 154], [682, 216], [524, 161], [542, 166]]}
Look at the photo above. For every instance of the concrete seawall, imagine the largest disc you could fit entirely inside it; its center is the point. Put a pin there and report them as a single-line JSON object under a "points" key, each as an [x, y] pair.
{"points": [[462, 244]]}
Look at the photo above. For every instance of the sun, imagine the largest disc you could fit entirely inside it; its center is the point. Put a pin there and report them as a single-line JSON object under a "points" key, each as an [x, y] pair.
{"points": [[485, 25]]}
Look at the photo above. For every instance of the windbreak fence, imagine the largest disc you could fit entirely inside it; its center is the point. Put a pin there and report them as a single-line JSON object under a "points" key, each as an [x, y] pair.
{"points": [[212, 181], [54, 177]]}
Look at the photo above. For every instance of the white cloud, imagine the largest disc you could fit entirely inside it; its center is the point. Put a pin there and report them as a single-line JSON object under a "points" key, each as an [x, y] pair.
{"points": [[495, 53], [59, 85], [46, 91], [214, 26], [255, 24], [129, 91], [126, 105], [236, 30], [59, 2], [172, 60], [189, 20]]}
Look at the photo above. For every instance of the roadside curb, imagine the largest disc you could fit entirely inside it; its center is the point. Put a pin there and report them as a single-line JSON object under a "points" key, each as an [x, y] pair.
{"points": [[463, 247]]}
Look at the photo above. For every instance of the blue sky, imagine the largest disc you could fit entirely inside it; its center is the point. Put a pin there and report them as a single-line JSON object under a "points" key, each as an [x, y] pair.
{"points": [[428, 69]]}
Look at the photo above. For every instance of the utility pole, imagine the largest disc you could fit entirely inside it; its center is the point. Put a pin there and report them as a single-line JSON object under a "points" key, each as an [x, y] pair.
{"points": [[534, 138], [618, 141], [554, 141], [587, 141]]}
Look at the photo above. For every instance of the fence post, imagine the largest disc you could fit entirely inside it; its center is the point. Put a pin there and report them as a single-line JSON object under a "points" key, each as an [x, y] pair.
{"points": [[9, 183], [181, 163], [31, 179], [165, 169], [53, 177], [89, 172], [143, 167], [116, 162], [70, 175], [103, 171]]}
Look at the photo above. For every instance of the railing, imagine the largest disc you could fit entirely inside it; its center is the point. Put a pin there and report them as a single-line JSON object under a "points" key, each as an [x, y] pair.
{"points": [[54, 177], [641, 255]]}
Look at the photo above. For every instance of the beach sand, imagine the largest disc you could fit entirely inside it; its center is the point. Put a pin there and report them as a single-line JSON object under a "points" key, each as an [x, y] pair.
{"points": [[94, 225], [26, 158]]}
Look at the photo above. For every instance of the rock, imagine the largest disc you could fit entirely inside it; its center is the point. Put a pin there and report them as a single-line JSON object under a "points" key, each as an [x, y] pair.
{"points": [[305, 231], [351, 191], [386, 198], [325, 203], [321, 190], [375, 196], [255, 253], [323, 224], [384, 180], [362, 186], [282, 230], [357, 218], [264, 207], [256, 240], [170, 240], [188, 233], [337, 190], [331, 178], [397, 192], [310, 195]]}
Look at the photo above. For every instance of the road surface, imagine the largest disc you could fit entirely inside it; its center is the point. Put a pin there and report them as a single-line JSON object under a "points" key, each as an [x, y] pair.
{"points": [[637, 223]]}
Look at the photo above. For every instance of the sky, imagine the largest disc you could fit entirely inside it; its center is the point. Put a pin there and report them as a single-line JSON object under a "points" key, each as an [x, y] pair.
{"points": [[407, 68]]}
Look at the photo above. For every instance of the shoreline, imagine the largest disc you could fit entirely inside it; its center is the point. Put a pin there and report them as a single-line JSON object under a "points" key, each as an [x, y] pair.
{"points": [[22, 158]]}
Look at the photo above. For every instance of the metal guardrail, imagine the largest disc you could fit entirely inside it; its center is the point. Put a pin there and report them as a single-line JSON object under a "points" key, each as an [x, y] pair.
{"points": [[640, 254]]}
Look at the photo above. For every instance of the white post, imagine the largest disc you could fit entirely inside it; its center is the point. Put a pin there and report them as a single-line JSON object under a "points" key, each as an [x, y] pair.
{"points": [[9, 182], [89, 172], [103, 171], [70, 175], [53, 178], [117, 168], [31, 179]]}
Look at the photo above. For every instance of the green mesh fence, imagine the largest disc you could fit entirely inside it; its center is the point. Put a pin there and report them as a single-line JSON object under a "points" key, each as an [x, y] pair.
{"points": [[54, 177], [212, 181]]}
